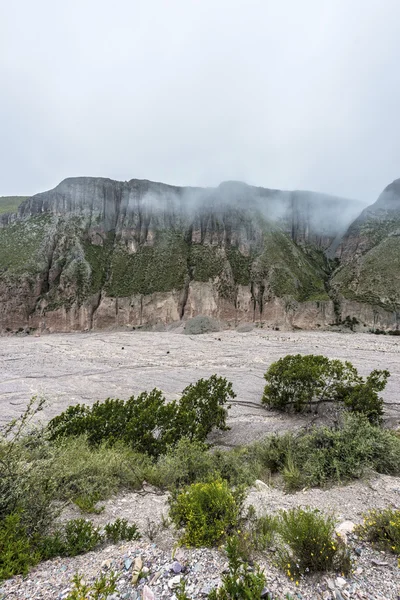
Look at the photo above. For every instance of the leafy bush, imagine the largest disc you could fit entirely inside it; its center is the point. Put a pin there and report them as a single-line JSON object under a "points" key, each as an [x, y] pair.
{"points": [[147, 423], [17, 554], [261, 530], [208, 511], [81, 536], [382, 527], [298, 383], [328, 455], [307, 544], [239, 582], [87, 474], [187, 462], [101, 589], [121, 530]]}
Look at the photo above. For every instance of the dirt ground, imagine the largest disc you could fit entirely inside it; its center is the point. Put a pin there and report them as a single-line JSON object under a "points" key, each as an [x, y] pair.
{"points": [[85, 367]]}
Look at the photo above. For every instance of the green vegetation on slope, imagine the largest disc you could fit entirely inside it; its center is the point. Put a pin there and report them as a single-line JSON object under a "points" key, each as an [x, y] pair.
{"points": [[158, 268], [21, 244], [10, 204], [373, 278], [287, 270]]}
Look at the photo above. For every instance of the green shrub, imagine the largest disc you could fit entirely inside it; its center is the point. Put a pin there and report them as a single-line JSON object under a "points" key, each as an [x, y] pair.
{"points": [[101, 589], [120, 530], [328, 455], [81, 536], [261, 530], [147, 423], [87, 474], [203, 406], [187, 462], [17, 554], [239, 582], [381, 527], [207, 511], [307, 544], [298, 383], [87, 503]]}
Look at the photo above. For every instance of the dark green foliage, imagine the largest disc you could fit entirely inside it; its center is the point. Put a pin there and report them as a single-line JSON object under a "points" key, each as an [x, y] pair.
{"points": [[81, 536], [17, 554], [363, 397], [207, 511], [298, 383], [121, 530], [307, 544], [240, 265], [203, 406], [148, 423], [158, 268], [205, 262], [239, 583]]}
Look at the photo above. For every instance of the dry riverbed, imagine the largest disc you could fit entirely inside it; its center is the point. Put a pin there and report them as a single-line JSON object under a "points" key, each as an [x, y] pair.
{"points": [[85, 367]]}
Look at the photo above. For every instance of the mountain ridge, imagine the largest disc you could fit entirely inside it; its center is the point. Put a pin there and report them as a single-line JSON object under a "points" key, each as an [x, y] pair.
{"points": [[95, 253]]}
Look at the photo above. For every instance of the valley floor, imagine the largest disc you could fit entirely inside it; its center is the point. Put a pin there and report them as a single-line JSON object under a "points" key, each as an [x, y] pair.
{"points": [[85, 367]]}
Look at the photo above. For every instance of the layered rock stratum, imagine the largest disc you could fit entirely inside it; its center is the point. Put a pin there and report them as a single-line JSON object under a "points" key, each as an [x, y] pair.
{"points": [[94, 253]]}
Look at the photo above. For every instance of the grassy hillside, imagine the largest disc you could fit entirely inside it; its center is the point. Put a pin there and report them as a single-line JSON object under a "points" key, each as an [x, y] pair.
{"points": [[9, 204]]}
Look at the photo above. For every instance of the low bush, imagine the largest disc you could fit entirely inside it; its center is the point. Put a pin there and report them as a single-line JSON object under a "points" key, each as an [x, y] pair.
{"points": [[331, 455], [185, 463], [307, 544], [121, 530], [207, 511], [147, 423], [17, 553], [261, 531], [299, 383], [381, 527]]}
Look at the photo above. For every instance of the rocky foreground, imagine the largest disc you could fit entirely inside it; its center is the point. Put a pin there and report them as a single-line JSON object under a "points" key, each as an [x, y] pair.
{"points": [[375, 576]]}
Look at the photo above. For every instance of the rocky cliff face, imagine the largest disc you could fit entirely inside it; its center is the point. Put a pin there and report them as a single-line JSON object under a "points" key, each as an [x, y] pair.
{"points": [[368, 279], [96, 253]]}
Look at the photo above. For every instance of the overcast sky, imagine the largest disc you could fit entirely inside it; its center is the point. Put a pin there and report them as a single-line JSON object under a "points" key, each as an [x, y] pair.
{"points": [[290, 94]]}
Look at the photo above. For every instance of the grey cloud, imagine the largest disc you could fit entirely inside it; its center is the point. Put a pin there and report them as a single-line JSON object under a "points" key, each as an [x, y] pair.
{"points": [[288, 95]]}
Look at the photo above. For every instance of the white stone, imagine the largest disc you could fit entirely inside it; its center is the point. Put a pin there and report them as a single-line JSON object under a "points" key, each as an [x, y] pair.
{"points": [[172, 583]]}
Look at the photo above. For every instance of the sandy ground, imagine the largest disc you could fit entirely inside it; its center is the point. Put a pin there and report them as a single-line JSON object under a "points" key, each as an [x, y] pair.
{"points": [[84, 367]]}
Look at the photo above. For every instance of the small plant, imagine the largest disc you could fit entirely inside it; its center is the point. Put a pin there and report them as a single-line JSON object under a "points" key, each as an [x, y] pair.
{"points": [[101, 589], [81, 536], [87, 503], [239, 582], [381, 527], [120, 530], [299, 383], [307, 544], [262, 530], [208, 511], [17, 554]]}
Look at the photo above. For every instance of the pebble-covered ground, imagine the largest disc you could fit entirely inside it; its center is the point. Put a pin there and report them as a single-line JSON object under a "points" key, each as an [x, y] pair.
{"points": [[376, 575]]}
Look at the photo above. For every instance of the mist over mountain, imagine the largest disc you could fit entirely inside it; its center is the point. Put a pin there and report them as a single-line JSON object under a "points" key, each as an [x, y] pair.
{"points": [[95, 253]]}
